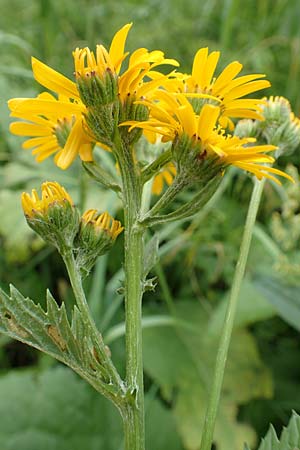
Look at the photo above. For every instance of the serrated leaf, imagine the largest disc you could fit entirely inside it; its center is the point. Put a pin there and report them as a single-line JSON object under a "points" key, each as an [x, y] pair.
{"points": [[51, 332], [289, 440]]}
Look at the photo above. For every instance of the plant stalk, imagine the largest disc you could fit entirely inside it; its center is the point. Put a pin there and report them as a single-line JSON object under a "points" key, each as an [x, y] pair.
{"points": [[133, 417], [90, 325], [215, 393]]}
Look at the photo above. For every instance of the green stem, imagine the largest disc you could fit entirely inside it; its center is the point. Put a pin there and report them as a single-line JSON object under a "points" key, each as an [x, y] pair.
{"points": [[214, 398], [133, 417], [90, 327]]}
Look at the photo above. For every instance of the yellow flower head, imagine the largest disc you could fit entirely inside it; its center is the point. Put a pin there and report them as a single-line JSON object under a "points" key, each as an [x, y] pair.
{"points": [[87, 64], [52, 194], [53, 127], [227, 88], [53, 215], [204, 132], [102, 222], [131, 82], [87, 111]]}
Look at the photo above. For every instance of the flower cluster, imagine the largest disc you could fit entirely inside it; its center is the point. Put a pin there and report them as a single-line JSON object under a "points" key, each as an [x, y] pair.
{"points": [[108, 103], [54, 216], [87, 111]]}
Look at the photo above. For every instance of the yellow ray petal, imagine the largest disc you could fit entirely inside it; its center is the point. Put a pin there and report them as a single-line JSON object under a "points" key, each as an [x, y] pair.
{"points": [[246, 89], [231, 71], [72, 146], [28, 129], [45, 107], [86, 152], [245, 113], [207, 120], [45, 150], [34, 142], [116, 51], [210, 67], [187, 119], [241, 80], [53, 80], [199, 63]]}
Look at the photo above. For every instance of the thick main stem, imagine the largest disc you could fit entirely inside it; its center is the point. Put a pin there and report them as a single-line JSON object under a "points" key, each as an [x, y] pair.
{"points": [[212, 409], [133, 417], [134, 363]]}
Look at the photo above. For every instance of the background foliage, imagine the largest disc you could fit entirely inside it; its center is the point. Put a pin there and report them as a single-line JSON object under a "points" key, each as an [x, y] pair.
{"points": [[183, 316]]}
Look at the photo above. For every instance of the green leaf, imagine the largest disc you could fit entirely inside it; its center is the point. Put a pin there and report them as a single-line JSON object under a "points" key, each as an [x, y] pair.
{"points": [[252, 307], [54, 410], [158, 417], [285, 298], [289, 440], [182, 362], [52, 333]]}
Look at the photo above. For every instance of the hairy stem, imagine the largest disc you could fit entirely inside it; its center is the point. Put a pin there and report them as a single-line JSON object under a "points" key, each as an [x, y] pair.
{"points": [[214, 398], [133, 417], [91, 328]]}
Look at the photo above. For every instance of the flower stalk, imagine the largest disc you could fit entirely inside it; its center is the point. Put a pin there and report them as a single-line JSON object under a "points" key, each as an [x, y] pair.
{"points": [[215, 392], [109, 369]]}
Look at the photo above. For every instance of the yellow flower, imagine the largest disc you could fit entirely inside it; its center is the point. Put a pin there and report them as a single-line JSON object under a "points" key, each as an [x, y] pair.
{"points": [[62, 125], [203, 131], [166, 175], [227, 89], [53, 215], [87, 65], [102, 222], [54, 127], [52, 193], [141, 64]]}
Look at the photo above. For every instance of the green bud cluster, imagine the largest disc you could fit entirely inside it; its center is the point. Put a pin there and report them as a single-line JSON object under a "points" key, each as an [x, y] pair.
{"points": [[97, 91], [96, 236], [55, 218], [280, 127]]}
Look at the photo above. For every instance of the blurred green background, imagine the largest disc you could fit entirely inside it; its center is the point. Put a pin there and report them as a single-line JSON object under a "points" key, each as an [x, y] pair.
{"points": [[43, 405]]}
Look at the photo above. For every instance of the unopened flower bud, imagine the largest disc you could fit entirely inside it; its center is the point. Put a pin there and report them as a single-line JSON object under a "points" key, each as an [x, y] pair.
{"points": [[96, 236], [53, 215], [280, 127], [247, 128]]}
